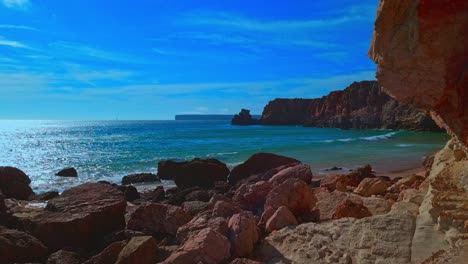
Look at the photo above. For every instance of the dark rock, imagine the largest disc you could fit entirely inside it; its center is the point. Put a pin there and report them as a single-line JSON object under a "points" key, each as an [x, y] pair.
{"points": [[20, 247], [14, 183], [156, 195], [139, 250], [120, 235], [197, 172], [46, 196], [258, 163], [244, 118], [334, 168], [200, 195], [195, 207], [67, 172], [130, 192], [64, 257], [109, 255], [139, 178], [178, 195]]}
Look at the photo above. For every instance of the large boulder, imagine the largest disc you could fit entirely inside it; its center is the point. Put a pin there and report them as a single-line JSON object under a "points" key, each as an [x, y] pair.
{"points": [[80, 216], [158, 218], [19, 247], [109, 255], [243, 234], [224, 209], [258, 163], [200, 222], [252, 196], [198, 172], [141, 249], [207, 246], [294, 194], [299, 171], [280, 219], [350, 208], [14, 183], [372, 186], [64, 257], [139, 178], [67, 172]]}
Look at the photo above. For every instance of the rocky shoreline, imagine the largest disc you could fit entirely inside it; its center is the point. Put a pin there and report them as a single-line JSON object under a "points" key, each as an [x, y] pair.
{"points": [[244, 212]]}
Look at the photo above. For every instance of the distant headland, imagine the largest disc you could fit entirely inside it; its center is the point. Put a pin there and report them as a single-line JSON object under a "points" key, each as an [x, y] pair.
{"points": [[208, 117]]}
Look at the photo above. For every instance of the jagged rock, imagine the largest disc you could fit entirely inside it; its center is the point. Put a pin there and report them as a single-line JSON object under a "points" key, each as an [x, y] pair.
{"points": [[200, 195], [299, 171], [156, 195], [14, 183], [109, 255], [158, 218], [372, 186], [194, 207], [350, 208], [20, 247], [280, 219], [67, 172], [64, 257], [139, 178], [224, 209], [200, 248], [245, 261], [197, 172], [244, 118], [80, 216], [46, 196], [258, 163], [139, 250], [243, 234], [130, 192], [201, 222], [252, 196]]}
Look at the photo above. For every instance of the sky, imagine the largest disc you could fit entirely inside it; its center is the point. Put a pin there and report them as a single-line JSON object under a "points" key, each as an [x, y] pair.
{"points": [[152, 59]]}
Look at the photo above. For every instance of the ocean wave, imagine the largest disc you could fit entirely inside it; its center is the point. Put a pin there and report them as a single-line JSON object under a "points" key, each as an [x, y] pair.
{"points": [[221, 154], [379, 137], [404, 145]]}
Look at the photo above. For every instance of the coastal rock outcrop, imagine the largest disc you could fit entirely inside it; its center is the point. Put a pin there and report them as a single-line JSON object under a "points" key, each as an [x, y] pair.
{"points": [[14, 183], [67, 172], [139, 178], [244, 118], [203, 173], [20, 247], [362, 105]]}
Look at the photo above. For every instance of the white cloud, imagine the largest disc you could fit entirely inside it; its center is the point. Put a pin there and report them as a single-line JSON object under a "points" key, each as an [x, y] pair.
{"points": [[17, 4], [8, 26], [11, 43]]}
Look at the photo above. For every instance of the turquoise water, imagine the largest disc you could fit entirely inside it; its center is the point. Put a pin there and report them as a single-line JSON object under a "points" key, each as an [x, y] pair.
{"points": [[108, 150]]}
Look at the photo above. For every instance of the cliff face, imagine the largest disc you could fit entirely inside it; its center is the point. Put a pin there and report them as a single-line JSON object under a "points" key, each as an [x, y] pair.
{"points": [[361, 105], [420, 49]]}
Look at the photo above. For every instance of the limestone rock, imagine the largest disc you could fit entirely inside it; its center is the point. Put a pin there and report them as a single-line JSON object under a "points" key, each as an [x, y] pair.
{"points": [[372, 186], [349, 208], [64, 257], [280, 219]]}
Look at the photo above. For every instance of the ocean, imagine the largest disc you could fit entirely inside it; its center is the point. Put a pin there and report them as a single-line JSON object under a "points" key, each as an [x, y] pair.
{"points": [[109, 150]]}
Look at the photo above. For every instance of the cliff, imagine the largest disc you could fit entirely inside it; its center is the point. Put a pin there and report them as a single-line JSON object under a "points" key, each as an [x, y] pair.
{"points": [[362, 105]]}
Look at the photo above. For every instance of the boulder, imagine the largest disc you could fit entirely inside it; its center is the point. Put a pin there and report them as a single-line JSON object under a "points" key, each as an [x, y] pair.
{"points": [[224, 209], [45, 196], [199, 195], [14, 183], [411, 195], [67, 172], [377, 205], [80, 216], [158, 218], [280, 219], [245, 261], [20, 247], [372, 186], [156, 195], [243, 234], [177, 196], [349, 208], [130, 192], [258, 163], [109, 255], [64, 257], [139, 178], [194, 207], [198, 172], [294, 194], [252, 196], [201, 222], [207, 246], [139, 250], [299, 171], [328, 201], [333, 182]]}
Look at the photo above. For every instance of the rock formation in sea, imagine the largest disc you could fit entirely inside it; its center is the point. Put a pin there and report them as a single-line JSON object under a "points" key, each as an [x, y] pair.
{"points": [[244, 118], [362, 105]]}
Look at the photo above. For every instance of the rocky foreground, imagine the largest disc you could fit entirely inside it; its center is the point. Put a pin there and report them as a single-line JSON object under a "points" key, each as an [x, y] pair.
{"points": [[362, 105], [269, 209]]}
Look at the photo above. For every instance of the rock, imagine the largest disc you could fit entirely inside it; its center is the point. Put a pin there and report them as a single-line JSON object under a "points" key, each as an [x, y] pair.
{"points": [[200, 248], [197, 172], [377, 205], [80, 216], [64, 257], [194, 207], [139, 250], [218, 197], [405, 207], [243, 234], [222, 187], [423, 62], [258, 163], [46, 196], [362, 105], [299, 171], [327, 201], [280, 219], [158, 218], [333, 182], [252, 196], [156, 195], [200, 195], [408, 182], [14, 183], [139, 178], [20, 247], [244, 118], [372, 186], [377, 239], [177, 196], [120, 235], [245, 261], [349, 208], [333, 168], [412, 196], [130, 192], [109, 255], [201, 222], [294, 194], [224, 209], [67, 172]]}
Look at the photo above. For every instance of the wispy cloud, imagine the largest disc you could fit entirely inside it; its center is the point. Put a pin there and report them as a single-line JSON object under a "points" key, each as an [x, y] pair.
{"points": [[17, 4], [22, 27], [11, 43]]}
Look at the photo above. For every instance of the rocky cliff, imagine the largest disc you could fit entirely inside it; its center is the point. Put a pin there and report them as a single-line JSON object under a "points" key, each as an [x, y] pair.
{"points": [[361, 105]]}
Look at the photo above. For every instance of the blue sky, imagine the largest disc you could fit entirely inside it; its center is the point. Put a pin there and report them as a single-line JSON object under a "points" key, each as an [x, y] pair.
{"points": [[151, 59]]}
